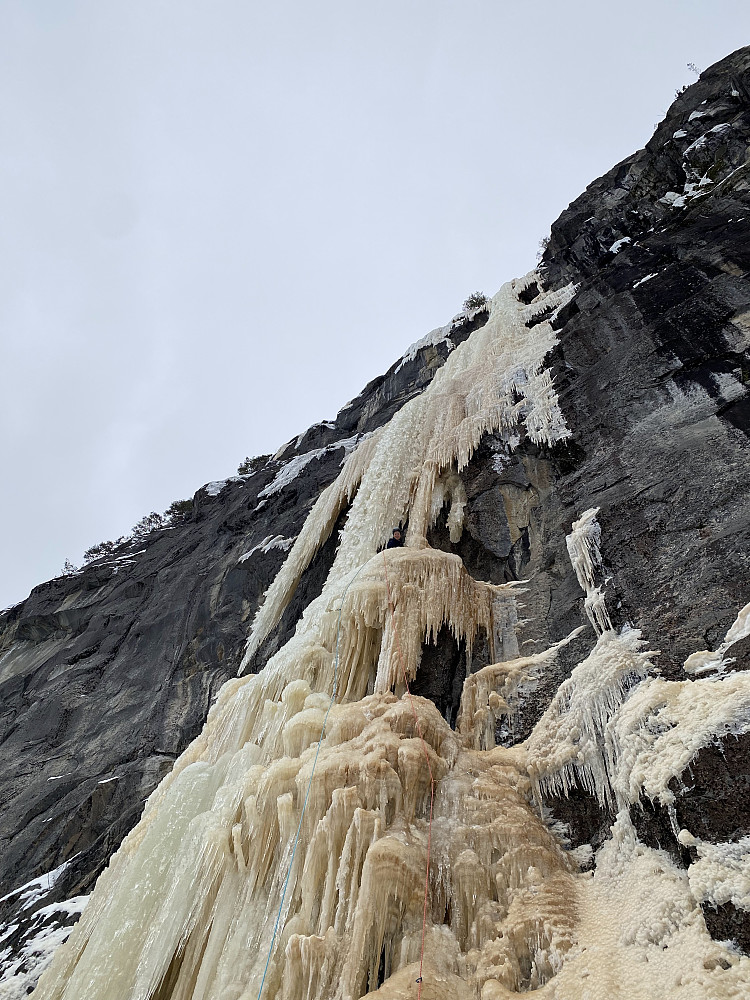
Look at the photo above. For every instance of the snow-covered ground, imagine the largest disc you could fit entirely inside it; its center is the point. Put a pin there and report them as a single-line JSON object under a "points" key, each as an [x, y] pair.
{"points": [[24, 957]]}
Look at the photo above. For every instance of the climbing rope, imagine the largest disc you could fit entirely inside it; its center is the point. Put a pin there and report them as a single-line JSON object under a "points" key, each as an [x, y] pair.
{"points": [[309, 784], [429, 768]]}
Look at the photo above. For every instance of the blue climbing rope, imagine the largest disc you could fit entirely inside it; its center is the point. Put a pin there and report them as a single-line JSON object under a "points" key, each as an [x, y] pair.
{"points": [[309, 784]]}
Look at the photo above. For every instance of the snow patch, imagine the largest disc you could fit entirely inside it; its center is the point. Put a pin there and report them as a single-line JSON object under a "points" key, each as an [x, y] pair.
{"points": [[647, 278], [673, 199], [127, 557], [328, 424], [729, 386], [20, 974], [294, 466], [214, 489], [34, 890], [692, 189], [268, 543], [440, 335], [619, 244], [703, 139]]}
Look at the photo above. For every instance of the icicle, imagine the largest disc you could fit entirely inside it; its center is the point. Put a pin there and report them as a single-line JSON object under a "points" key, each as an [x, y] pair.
{"points": [[567, 744], [449, 489], [583, 548], [315, 532]]}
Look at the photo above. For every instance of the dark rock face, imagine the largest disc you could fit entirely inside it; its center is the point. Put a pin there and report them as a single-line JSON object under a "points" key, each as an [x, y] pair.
{"points": [[585, 821], [713, 792], [106, 676], [667, 451], [712, 801], [728, 923], [704, 135], [652, 367], [652, 823]]}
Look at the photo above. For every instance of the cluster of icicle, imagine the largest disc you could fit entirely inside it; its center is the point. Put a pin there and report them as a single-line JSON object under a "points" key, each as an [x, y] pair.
{"points": [[188, 907], [586, 559]]}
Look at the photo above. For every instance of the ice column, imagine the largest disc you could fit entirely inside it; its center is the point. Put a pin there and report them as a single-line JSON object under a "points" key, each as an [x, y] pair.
{"points": [[583, 548]]}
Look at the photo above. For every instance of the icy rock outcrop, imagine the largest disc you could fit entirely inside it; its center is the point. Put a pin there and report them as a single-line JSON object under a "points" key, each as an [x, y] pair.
{"points": [[495, 382]]}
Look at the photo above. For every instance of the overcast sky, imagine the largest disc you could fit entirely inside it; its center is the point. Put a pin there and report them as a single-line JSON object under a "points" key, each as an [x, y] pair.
{"points": [[220, 219]]}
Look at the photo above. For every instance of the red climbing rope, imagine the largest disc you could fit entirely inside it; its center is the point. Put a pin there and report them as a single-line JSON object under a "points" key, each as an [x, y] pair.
{"points": [[429, 768]]}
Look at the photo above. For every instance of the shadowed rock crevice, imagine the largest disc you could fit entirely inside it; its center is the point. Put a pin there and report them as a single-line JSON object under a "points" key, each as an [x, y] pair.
{"points": [[728, 923], [441, 674], [652, 824], [585, 820]]}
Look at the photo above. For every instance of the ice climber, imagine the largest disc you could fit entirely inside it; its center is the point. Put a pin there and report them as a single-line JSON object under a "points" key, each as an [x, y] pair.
{"points": [[396, 540]]}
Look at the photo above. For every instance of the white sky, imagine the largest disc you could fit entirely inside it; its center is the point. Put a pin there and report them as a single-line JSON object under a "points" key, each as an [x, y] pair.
{"points": [[220, 219]]}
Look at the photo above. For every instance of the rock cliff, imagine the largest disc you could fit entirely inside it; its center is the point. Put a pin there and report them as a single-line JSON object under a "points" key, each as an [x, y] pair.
{"points": [[608, 486]]}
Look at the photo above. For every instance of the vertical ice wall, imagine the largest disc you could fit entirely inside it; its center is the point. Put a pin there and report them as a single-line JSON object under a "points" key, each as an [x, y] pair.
{"points": [[187, 907]]}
